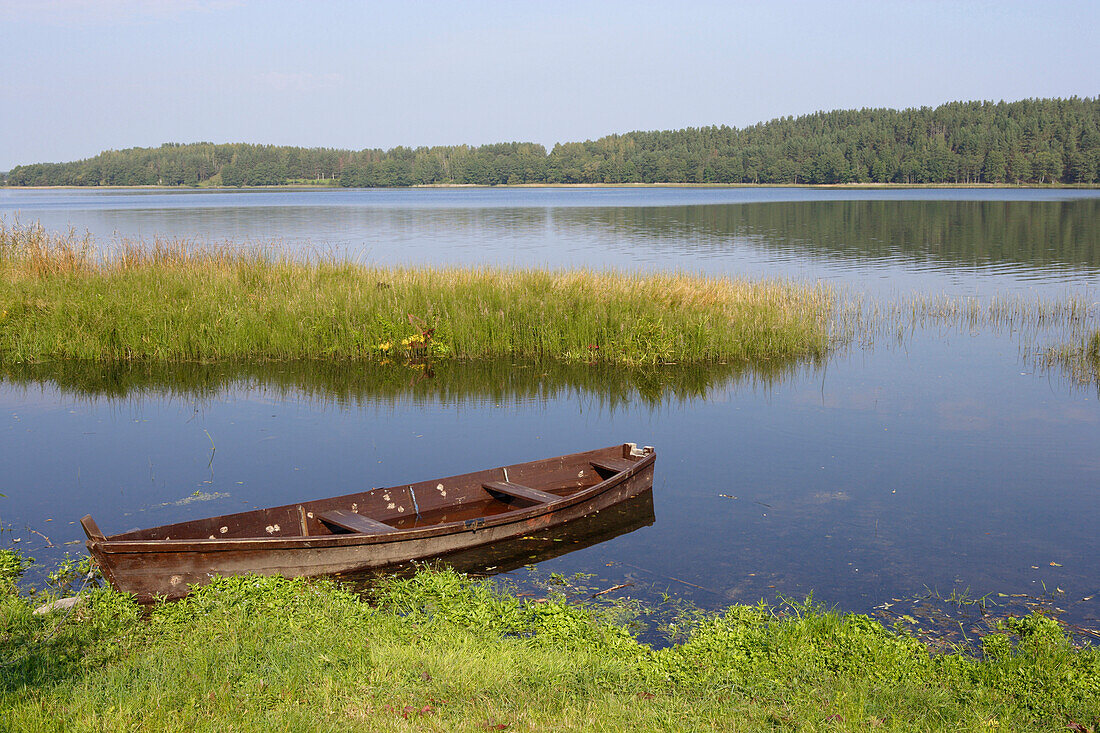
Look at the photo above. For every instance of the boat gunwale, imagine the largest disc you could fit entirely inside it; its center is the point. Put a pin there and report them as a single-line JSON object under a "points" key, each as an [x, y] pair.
{"points": [[198, 544]]}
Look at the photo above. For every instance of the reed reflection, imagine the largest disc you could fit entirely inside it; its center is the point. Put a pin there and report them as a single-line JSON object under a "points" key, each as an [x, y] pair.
{"points": [[374, 383]]}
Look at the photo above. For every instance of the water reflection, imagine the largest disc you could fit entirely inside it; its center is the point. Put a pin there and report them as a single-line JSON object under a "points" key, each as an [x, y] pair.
{"points": [[947, 461], [547, 544], [959, 241], [1031, 234], [364, 383]]}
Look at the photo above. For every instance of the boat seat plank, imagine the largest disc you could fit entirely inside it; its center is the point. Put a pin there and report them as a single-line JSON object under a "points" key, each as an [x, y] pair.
{"points": [[617, 465], [354, 522], [520, 492]]}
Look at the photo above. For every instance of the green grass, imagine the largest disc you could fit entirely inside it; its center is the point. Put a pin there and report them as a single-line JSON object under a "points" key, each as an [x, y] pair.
{"points": [[440, 652], [171, 301]]}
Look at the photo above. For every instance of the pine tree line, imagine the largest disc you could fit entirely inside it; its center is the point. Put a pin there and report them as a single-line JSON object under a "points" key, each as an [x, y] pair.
{"points": [[1031, 141]]}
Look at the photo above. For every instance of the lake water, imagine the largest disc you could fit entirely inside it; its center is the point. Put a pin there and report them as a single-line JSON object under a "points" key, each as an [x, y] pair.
{"points": [[969, 241], [943, 462]]}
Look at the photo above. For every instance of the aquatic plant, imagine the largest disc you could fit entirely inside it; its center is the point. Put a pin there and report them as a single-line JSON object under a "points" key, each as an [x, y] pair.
{"points": [[1080, 360], [172, 300], [12, 567]]}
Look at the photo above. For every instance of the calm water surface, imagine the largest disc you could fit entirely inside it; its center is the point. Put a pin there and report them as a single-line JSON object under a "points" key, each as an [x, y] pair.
{"points": [[970, 241], [946, 462]]}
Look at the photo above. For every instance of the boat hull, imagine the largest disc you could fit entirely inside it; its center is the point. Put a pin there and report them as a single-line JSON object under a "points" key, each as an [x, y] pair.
{"points": [[167, 569]]}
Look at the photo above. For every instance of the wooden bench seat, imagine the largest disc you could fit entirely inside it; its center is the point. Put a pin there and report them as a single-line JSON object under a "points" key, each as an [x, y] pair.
{"points": [[354, 522], [615, 465], [520, 492]]}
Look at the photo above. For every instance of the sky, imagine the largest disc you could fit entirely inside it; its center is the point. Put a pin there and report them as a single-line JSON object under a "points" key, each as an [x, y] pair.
{"points": [[82, 76]]}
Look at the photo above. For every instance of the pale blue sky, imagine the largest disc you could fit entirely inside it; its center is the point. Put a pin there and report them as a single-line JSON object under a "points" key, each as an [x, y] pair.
{"points": [[81, 76]]}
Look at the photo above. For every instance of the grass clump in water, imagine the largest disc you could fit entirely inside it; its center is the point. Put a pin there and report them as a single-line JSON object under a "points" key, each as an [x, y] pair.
{"points": [[441, 652], [172, 301], [1079, 360]]}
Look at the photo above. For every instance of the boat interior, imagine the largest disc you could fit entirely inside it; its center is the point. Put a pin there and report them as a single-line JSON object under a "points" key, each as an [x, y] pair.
{"points": [[465, 498], [538, 546]]}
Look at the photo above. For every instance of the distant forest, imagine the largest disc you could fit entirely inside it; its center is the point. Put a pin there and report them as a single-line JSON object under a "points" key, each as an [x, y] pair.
{"points": [[1031, 141]]}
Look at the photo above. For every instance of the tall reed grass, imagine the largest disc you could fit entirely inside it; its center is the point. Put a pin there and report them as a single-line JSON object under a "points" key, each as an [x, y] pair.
{"points": [[64, 297], [1032, 321]]}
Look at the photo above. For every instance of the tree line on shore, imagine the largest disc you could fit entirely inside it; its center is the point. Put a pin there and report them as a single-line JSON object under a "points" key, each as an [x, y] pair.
{"points": [[1034, 141]]}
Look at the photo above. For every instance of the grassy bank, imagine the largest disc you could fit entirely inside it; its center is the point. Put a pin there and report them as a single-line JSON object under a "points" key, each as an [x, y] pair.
{"points": [[170, 301], [439, 652]]}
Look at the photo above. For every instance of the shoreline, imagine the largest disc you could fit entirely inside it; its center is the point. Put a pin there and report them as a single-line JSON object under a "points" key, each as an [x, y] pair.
{"points": [[441, 651], [444, 186]]}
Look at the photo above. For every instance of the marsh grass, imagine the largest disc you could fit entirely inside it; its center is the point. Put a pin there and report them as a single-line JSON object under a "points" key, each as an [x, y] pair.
{"points": [[68, 297], [867, 322], [1050, 334], [173, 300], [1079, 360], [1060, 335], [440, 652]]}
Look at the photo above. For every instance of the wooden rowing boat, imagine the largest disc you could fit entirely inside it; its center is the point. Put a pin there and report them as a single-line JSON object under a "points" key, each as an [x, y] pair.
{"points": [[373, 529]]}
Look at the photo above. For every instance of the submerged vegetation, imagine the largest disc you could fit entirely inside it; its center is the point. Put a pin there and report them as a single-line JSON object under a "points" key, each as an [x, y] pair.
{"points": [[440, 652], [1032, 322], [1030, 141], [1079, 359], [173, 301]]}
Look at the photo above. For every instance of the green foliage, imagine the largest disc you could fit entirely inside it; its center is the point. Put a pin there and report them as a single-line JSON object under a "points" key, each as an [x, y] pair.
{"points": [[444, 599], [291, 601], [12, 566], [439, 651], [70, 573], [1030, 141]]}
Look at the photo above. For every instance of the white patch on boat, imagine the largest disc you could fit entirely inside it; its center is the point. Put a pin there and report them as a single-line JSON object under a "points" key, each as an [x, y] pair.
{"points": [[354, 507], [272, 528], [439, 488], [391, 505], [212, 537], [400, 508], [580, 473], [386, 496], [223, 530], [309, 514], [176, 579]]}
